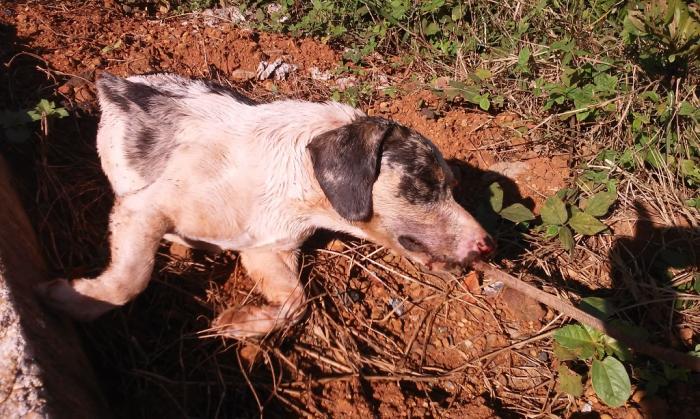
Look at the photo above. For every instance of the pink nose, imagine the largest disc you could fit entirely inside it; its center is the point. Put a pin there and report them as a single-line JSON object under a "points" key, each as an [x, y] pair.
{"points": [[486, 246]]}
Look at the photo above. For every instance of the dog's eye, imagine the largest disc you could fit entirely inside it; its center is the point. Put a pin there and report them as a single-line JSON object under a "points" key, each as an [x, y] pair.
{"points": [[412, 244]]}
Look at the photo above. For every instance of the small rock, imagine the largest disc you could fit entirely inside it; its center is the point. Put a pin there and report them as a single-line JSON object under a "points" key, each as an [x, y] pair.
{"points": [[396, 305], [180, 251], [605, 416], [344, 82], [471, 281], [686, 335], [493, 288], [336, 246], [317, 74], [354, 295], [586, 407], [278, 69], [242, 75], [428, 113], [65, 89], [510, 169], [84, 95], [638, 396], [384, 106], [492, 341]]}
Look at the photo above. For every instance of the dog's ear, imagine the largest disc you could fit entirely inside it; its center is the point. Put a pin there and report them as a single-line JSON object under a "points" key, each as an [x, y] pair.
{"points": [[346, 164]]}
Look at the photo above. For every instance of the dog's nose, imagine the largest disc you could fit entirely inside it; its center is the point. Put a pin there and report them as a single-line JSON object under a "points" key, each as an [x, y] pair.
{"points": [[486, 246]]}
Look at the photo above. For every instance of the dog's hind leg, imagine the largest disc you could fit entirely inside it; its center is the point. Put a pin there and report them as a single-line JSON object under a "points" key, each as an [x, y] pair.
{"points": [[136, 229], [277, 278]]}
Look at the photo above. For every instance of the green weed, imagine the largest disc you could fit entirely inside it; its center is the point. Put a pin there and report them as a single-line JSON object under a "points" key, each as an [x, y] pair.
{"points": [[15, 126]]}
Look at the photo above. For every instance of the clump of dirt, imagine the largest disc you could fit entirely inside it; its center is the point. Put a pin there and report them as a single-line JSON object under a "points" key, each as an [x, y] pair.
{"points": [[382, 338]]}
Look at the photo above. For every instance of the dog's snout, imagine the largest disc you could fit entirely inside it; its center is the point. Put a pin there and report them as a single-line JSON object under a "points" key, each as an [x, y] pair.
{"points": [[486, 246]]}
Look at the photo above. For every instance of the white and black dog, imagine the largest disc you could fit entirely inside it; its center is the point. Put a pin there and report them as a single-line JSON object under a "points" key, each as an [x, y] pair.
{"points": [[196, 163]]}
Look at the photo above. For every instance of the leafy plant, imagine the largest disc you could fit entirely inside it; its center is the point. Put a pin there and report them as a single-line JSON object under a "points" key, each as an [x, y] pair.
{"points": [[476, 91], [608, 375], [516, 213], [559, 219], [584, 91], [666, 32], [15, 125]]}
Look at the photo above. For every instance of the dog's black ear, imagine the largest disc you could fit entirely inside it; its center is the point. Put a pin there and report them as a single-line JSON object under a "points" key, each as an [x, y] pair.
{"points": [[346, 164]]}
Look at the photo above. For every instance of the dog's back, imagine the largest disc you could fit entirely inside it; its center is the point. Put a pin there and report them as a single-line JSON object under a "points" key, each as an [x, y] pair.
{"points": [[145, 119]]}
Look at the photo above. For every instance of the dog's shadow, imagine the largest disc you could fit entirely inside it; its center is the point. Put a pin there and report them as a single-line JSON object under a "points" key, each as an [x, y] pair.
{"points": [[652, 269]]}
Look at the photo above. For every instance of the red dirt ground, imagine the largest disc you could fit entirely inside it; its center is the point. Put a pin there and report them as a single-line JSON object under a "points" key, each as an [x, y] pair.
{"points": [[76, 40]]}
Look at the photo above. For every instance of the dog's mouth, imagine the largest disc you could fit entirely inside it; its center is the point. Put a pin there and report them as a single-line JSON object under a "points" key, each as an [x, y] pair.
{"points": [[416, 250]]}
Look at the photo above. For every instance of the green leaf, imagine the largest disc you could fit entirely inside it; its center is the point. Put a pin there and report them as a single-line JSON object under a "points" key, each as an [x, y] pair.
{"points": [[610, 381], [562, 353], [524, 58], [431, 29], [566, 238], [599, 307], [554, 211], [484, 103], [61, 112], [687, 109], [654, 158], [614, 347], [45, 106], [600, 203], [496, 198], [483, 74], [577, 339], [586, 224], [34, 115], [569, 382], [552, 231], [517, 213], [457, 12], [690, 170]]}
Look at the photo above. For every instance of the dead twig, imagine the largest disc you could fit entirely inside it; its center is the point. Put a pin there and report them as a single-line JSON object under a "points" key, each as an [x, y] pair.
{"points": [[638, 345]]}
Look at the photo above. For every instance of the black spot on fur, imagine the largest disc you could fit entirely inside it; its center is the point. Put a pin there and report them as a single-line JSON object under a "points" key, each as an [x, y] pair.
{"points": [[225, 91], [346, 164], [424, 180]]}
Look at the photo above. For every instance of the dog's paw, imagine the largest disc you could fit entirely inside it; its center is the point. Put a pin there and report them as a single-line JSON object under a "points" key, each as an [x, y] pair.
{"points": [[247, 321], [61, 295]]}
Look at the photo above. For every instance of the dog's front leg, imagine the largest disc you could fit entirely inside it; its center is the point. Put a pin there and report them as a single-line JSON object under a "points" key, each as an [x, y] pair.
{"points": [[277, 278], [136, 229]]}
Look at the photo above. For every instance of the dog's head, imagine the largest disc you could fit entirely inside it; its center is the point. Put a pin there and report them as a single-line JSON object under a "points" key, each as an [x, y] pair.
{"points": [[394, 184]]}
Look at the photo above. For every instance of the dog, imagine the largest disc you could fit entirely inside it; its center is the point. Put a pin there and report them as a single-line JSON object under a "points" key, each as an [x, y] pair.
{"points": [[203, 165]]}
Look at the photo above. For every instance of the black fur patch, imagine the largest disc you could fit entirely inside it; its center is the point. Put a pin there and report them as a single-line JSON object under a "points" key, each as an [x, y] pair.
{"points": [[142, 95], [346, 164], [225, 91], [143, 145], [424, 180], [109, 85]]}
